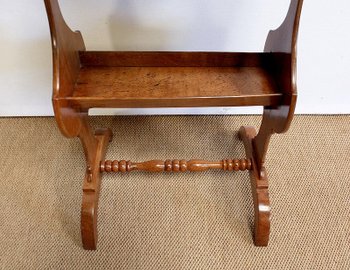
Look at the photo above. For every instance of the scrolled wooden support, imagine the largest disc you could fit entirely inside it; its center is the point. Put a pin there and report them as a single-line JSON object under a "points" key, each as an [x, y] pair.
{"points": [[176, 165]]}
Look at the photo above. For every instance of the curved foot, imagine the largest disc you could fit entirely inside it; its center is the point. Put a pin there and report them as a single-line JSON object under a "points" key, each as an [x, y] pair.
{"points": [[89, 219], [91, 189], [259, 191]]}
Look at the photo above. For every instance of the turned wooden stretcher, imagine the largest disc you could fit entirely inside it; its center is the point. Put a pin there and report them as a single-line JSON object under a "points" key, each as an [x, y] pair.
{"points": [[90, 79]]}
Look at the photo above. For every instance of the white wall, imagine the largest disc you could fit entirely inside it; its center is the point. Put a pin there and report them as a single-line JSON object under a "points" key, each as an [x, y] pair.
{"points": [[207, 25]]}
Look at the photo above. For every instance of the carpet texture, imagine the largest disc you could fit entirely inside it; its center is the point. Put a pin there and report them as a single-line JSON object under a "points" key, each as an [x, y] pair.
{"points": [[169, 220]]}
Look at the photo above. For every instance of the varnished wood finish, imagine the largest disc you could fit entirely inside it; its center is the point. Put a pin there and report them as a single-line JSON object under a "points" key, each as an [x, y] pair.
{"points": [[259, 188], [89, 79], [66, 45], [172, 59], [91, 186], [280, 42], [173, 87], [176, 165], [174, 79]]}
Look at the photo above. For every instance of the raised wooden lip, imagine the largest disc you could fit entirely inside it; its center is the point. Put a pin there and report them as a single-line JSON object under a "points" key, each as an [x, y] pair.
{"points": [[174, 59], [86, 103]]}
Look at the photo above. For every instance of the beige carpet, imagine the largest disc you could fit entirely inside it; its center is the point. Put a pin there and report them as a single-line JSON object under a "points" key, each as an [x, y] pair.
{"points": [[175, 221]]}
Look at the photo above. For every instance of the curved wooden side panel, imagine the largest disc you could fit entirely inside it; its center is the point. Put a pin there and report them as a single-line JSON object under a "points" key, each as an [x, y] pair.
{"points": [[283, 39], [282, 43], [66, 45]]}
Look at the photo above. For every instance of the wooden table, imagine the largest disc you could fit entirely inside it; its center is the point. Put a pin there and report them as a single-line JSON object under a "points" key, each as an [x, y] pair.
{"points": [[90, 79]]}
